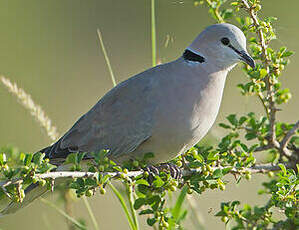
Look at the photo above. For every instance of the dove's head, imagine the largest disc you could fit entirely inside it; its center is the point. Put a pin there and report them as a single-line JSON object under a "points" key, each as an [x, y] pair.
{"points": [[222, 45]]}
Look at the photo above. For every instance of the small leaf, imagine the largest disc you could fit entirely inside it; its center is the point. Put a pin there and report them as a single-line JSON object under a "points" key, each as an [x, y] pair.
{"points": [[263, 73], [242, 120], [250, 136], [142, 181], [38, 157], [232, 118], [71, 158], [28, 159], [287, 54], [283, 168], [151, 221], [158, 182], [146, 211], [224, 126], [138, 203], [217, 173], [2, 158], [79, 157]]}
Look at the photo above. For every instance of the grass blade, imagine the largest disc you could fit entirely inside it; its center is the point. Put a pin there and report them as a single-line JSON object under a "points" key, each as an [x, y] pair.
{"points": [[124, 206], [74, 221], [153, 33], [176, 211], [131, 202], [106, 57], [90, 212]]}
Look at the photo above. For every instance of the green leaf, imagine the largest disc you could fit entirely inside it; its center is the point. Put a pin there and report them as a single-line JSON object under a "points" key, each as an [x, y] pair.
{"points": [[38, 158], [283, 168], [232, 118], [146, 211], [213, 156], [250, 136], [226, 170], [79, 157], [151, 221], [263, 73], [287, 54], [158, 182], [242, 120], [217, 173], [2, 158], [224, 126], [28, 159], [71, 158], [154, 202], [244, 147], [142, 181], [139, 202]]}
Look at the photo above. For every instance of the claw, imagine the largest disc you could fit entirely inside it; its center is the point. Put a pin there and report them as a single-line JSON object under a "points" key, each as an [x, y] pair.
{"points": [[174, 170]]}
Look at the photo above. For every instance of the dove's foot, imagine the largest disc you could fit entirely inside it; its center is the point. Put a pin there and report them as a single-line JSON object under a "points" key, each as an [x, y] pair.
{"points": [[174, 170]]}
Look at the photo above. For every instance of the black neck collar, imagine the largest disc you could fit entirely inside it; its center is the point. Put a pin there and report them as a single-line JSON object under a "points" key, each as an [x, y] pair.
{"points": [[190, 56]]}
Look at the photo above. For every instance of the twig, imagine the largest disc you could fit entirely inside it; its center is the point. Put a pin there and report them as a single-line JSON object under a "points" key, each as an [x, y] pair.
{"points": [[270, 96], [288, 136], [215, 11], [260, 168]]}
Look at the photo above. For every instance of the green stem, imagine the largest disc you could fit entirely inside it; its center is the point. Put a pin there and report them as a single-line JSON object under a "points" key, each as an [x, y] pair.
{"points": [[90, 212], [63, 213], [131, 202], [215, 10], [106, 57], [124, 206], [153, 33]]}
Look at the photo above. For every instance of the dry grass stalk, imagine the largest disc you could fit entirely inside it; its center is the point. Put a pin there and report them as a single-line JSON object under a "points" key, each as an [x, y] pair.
{"points": [[35, 110]]}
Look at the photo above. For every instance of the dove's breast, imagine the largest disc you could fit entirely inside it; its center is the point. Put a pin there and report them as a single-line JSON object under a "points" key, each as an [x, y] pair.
{"points": [[188, 105]]}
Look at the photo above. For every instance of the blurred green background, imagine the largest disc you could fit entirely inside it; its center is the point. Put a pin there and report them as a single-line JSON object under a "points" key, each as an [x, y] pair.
{"points": [[50, 48]]}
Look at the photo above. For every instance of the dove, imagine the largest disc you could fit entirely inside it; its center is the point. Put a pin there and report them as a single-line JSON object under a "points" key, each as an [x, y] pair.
{"points": [[165, 110]]}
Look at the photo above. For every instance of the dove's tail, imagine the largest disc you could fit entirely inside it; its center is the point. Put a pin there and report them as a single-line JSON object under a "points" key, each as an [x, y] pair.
{"points": [[32, 192]]}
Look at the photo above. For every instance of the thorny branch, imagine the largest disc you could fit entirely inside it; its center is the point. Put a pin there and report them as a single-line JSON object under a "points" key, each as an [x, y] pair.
{"points": [[271, 109], [259, 168]]}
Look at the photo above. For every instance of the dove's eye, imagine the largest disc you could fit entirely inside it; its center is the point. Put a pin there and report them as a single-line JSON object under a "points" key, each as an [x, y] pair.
{"points": [[225, 41]]}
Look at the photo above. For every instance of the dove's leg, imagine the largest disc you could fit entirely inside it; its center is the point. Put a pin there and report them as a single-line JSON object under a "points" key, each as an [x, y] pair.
{"points": [[174, 170]]}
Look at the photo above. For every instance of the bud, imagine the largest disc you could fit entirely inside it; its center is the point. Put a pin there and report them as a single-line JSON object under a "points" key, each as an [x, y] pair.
{"points": [[135, 163], [248, 176], [89, 193], [102, 191], [224, 219], [172, 188], [42, 182]]}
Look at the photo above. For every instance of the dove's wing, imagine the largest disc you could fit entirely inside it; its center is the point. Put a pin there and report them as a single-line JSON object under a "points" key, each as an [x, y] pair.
{"points": [[120, 121]]}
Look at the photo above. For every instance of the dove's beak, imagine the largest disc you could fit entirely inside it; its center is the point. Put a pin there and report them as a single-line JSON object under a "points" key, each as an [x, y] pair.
{"points": [[244, 56]]}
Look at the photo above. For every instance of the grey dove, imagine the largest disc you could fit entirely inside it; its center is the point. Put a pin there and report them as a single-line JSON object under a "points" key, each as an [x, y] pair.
{"points": [[165, 110]]}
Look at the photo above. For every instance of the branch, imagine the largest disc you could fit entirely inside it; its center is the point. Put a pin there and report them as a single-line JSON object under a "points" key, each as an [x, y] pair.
{"points": [[272, 110], [260, 168], [288, 136], [215, 11]]}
